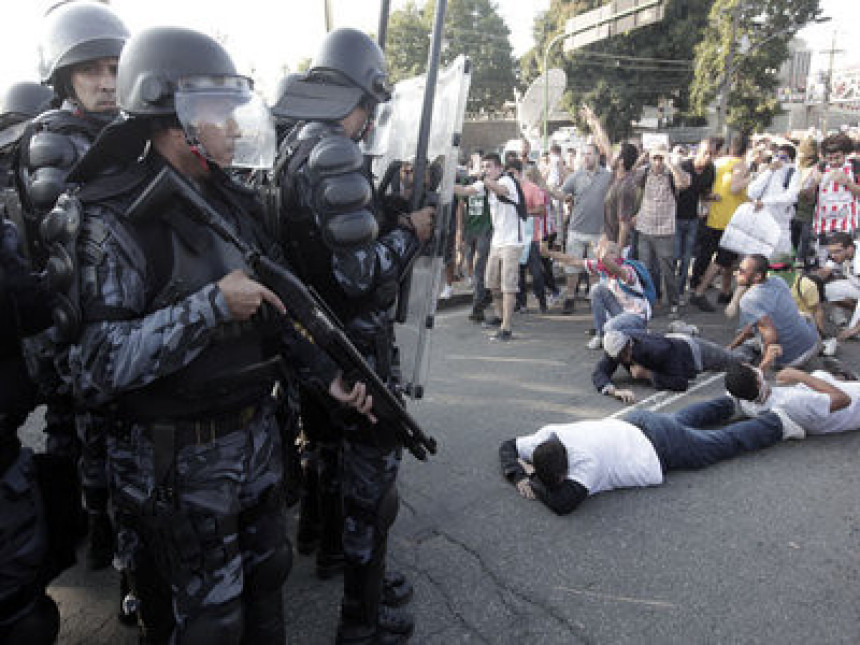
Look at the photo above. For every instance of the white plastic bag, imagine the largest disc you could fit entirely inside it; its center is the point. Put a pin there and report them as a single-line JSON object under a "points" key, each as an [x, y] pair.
{"points": [[751, 231]]}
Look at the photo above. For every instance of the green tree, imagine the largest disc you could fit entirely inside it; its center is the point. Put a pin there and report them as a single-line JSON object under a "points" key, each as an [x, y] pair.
{"points": [[614, 76], [757, 35], [473, 28], [407, 43]]}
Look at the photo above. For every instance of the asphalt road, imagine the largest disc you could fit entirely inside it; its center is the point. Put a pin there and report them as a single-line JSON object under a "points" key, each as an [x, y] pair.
{"points": [[761, 549]]}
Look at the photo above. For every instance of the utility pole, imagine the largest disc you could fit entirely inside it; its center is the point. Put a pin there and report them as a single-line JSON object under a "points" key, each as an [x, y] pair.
{"points": [[825, 106], [726, 85]]}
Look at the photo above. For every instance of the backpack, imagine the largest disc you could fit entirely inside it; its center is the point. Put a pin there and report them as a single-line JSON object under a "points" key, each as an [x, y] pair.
{"points": [[522, 209], [649, 292]]}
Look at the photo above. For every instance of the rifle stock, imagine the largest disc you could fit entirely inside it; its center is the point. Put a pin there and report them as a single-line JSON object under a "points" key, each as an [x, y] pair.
{"points": [[302, 304]]}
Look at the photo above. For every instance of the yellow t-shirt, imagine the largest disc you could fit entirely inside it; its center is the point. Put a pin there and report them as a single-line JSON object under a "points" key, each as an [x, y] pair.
{"points": [[721, 212], [805, 294]]}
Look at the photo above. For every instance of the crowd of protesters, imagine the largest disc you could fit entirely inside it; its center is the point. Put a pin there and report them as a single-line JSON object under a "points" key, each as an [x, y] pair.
{"points": [[640, 233]]}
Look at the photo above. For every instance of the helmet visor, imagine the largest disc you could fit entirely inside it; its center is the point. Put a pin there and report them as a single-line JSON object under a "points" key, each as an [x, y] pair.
{"points": [[230, 124]]}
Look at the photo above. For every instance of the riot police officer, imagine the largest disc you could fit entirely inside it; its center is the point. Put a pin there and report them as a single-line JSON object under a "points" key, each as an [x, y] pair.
{"points": [[80, 47], [183, 346], [331, 234], [27, 614]]}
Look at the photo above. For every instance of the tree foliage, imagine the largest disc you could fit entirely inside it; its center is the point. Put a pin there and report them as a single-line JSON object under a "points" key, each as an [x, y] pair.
{"points": [[473, 28], [763, 29], [618, 88]]}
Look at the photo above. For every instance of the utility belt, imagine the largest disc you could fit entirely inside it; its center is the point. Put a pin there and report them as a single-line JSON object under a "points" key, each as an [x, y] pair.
{"points": [[190, 432]]}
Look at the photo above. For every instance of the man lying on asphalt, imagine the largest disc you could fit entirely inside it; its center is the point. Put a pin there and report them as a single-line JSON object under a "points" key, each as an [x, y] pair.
{"points": [[668, 361], [562, 464]]}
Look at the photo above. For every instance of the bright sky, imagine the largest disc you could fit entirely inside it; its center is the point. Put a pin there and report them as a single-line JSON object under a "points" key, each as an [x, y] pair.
{"points": [[266, 36]]}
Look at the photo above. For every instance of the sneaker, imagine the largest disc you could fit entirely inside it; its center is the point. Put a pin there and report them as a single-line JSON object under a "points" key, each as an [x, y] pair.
{"points": [[596, 342], [568, 306], [680, 327], [503, 335], [828, 347], [447, 292], [495, 321], [702, 303], [790, 428], [477, 315]]}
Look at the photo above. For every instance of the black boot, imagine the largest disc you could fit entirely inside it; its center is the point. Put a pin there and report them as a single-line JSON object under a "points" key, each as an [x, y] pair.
{"points": [[330, 553], [360, 611], [396, 621], [396, 589]]}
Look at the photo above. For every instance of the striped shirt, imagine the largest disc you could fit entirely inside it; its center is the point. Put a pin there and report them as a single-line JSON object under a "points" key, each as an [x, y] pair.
{"points": [[838, 209]]}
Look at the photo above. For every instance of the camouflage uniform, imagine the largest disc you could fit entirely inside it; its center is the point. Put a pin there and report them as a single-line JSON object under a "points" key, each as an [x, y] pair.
{"points": [[163, 351], [26, 613], [360, 284], [75, 433]]}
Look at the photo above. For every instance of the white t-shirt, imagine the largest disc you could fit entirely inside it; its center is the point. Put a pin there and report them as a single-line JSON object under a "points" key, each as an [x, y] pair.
{"points": [[507, 225], [850, 269], [602, 454], [811, 409]]}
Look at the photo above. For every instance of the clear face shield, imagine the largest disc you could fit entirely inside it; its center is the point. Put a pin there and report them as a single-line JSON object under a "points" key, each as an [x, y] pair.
{"points": [[228, 123]]}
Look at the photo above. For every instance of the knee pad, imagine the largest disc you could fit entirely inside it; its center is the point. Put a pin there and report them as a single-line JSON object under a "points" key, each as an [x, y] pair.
{"points": [[388, 507], [222, 624], [271, 574], [39, 626]]}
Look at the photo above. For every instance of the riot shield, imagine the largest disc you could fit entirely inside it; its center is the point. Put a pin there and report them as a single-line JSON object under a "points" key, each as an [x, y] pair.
{"points": [[394, 139]]}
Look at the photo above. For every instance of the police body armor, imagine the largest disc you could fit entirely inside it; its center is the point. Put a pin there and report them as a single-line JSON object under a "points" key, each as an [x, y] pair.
{"points": [[241, 365], [329, 231], [53, 144]]}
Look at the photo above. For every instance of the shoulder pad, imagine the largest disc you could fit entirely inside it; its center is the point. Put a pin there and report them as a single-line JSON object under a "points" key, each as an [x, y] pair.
{"points": [[318, 129], [335, 155], [52, 149]]}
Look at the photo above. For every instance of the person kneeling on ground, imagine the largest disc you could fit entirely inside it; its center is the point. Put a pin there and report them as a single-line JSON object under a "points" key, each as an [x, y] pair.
{"points": [[669, 362], [618, 301], [562, 464], [769, 316]]}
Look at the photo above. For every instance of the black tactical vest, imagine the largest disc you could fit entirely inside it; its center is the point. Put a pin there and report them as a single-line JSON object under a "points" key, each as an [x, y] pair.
{"points": [[241, 365]]}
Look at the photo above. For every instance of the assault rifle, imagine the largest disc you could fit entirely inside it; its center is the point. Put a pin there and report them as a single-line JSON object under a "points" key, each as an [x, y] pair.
{"points": [[304, 306]]}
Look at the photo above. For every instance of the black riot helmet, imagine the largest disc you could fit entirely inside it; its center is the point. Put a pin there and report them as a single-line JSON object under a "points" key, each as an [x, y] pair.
{"points": [[23, 101], [348, 68], [167, 72], [78, 32], [19, 103]]}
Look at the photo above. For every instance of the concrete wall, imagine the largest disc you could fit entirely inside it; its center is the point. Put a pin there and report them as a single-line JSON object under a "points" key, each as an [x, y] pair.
{"points": [[488, 135]]}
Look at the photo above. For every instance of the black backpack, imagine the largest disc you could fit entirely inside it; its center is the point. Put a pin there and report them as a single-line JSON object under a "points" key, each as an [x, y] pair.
{"points": [[522, 209]]}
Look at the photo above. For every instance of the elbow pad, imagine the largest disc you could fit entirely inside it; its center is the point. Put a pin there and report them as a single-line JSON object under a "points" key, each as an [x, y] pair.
{"points": [[341, 194]]}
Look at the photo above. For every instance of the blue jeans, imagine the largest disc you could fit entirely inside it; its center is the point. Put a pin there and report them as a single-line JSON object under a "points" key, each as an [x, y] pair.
{"points": [[685, 240], [680, 442], [608, 313]]}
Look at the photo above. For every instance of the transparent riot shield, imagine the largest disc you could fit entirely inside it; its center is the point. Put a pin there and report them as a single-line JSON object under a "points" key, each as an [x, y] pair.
{"points": [[395, 139]]}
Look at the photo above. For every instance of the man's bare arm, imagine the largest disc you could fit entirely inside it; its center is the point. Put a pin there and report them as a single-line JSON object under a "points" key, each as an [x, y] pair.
{"points": [[838, 399]]}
